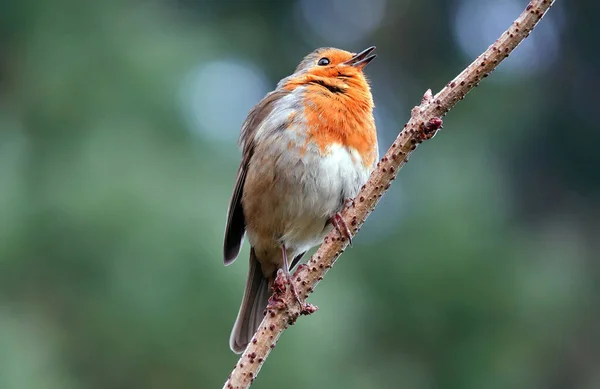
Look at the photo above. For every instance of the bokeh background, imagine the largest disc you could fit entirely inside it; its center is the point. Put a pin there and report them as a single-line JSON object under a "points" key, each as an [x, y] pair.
{"points": [[118, 128]]}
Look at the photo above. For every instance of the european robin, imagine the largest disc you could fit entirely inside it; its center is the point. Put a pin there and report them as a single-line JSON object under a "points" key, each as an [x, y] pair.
{"points": [[307, 147]]}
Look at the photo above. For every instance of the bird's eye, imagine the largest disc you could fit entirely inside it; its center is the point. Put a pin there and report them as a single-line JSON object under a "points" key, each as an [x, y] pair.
{"points": [[323, 61]]}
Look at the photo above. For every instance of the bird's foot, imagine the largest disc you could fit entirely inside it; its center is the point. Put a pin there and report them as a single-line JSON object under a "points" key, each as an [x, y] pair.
{"points": [[277, 300], [338, 222], [305, 308], [285, 278]]}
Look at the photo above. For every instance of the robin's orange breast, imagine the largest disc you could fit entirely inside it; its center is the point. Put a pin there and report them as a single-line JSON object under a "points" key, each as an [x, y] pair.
{"points": [[344, 119]]}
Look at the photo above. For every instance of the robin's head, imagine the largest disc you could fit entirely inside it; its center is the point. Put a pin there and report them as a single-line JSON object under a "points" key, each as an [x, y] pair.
{"points": [[334, 69]]}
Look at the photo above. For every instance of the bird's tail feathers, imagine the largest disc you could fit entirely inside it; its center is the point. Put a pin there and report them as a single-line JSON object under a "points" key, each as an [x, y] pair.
{"points": [[254, 303]]}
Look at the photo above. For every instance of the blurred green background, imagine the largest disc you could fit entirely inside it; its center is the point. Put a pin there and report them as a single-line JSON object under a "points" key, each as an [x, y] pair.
{"points": [[118, 128]]}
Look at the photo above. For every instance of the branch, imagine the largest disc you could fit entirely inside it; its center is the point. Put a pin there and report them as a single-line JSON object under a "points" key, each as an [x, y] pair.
{"points": [[283, 309]]}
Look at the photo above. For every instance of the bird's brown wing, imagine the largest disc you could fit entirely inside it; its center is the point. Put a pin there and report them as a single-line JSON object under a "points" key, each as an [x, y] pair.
{"points": [[236, 223]]}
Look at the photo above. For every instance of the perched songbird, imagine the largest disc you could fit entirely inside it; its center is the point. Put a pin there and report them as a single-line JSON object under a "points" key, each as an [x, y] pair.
{"points": [[307, 147]]}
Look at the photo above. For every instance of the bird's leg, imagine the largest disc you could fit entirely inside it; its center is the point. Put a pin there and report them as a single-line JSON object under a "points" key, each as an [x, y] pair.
{"points": [[288, 275], [305, 308], [286, 265], [338, 222]]}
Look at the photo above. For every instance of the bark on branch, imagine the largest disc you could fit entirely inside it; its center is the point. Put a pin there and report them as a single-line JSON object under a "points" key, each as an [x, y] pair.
{"points": [[283, 309]]}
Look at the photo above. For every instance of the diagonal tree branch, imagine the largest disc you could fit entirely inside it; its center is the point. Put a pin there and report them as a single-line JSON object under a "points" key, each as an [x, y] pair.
{"points": [[283, 308]]}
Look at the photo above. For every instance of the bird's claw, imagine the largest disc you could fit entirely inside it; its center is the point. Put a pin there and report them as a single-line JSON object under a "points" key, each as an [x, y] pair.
{"points": [[277, 301], [338, 222]]}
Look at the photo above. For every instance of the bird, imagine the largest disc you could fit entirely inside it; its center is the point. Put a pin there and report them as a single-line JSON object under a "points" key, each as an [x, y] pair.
{"points": [[307, 148]]}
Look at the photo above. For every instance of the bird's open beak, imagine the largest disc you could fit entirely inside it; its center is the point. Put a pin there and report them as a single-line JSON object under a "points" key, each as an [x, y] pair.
{"points": [[362, 59]]}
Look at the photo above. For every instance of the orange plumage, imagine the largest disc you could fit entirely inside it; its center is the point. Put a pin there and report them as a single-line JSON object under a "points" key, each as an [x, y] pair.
{"points": [[344, 117], [308, 146]]}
